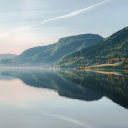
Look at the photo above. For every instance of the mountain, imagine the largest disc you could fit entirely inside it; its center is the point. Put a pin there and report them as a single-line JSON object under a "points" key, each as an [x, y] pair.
{"points": [[115, 46], [52, 53], [7, 56]]}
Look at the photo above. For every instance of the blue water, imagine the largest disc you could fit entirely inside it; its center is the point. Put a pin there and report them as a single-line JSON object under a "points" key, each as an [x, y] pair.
{"points": [[61, 99]]}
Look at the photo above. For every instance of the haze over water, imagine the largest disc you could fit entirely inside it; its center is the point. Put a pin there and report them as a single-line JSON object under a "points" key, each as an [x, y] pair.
{"points": [[63, 98]]}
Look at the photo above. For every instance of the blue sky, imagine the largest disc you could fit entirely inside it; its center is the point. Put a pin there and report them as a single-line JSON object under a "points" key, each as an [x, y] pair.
{"points": [[29, 23]]}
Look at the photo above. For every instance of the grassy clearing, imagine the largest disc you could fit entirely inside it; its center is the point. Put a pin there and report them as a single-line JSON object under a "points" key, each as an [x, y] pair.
{"points": [[109, 66]]}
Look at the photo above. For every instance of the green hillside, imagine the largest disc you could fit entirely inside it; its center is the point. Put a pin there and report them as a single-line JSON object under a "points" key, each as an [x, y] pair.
{"points": [[52, 53], [115, 46]]}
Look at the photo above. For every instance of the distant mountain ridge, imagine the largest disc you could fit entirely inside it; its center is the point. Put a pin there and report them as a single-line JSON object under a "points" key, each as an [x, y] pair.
{"points": [[115, 46], [49, 54], [7, 56]]}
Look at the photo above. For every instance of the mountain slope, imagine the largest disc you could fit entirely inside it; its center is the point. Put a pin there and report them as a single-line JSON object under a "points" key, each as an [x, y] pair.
{"points": [[115, 46], [7, 56], [52, 53]]}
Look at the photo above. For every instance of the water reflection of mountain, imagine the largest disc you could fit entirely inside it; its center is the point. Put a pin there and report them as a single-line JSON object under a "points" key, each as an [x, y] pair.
{"points": [[114, 87], [52, 80], [6, 78]]}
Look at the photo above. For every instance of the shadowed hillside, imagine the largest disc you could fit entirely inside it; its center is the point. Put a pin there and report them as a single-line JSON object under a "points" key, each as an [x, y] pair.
{"points": [[49, 54], [115, 46]]}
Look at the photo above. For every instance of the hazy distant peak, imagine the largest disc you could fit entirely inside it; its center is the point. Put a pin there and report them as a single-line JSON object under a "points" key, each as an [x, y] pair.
{"points": [[7, 56]]}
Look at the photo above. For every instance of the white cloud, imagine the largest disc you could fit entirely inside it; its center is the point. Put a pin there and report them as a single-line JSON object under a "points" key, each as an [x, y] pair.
{"points": [[67, 119], [56, 18], [73, 13]]}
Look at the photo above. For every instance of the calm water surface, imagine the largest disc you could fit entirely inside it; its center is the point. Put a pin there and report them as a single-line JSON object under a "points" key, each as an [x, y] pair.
{"points": [[63, 99]]}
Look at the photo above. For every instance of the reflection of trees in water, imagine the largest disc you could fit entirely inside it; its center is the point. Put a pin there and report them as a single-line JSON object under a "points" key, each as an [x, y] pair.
{"points": [[118, 77], [112, 86], [52, 80], [81, 85]]}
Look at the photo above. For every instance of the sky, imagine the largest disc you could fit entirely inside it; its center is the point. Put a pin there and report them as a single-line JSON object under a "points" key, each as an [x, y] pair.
{"points": [[30, 23]]}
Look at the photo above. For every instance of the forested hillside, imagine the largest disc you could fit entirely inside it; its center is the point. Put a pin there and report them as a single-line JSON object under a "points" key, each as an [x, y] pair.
{"points": [[49, 54], [115, 46]]}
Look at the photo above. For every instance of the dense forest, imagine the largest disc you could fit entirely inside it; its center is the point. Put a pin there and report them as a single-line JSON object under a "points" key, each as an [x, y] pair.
{"points": [[49, 54], [113, 47]]}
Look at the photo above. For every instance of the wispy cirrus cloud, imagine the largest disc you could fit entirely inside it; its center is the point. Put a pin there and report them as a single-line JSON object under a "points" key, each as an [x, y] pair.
{"points": [[68, 119], [77, 12], [57, 18]]}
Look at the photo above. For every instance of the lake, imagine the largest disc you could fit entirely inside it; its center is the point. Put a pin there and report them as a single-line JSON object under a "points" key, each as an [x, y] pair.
{"points": [[63, 98]]}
